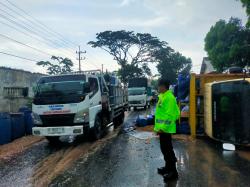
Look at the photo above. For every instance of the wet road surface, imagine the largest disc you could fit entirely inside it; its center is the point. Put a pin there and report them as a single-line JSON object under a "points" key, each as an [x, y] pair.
{"points": [[129, 161], [38, 164], [123, 159]]}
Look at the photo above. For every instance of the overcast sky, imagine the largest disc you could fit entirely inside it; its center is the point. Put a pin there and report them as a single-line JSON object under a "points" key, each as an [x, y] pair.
{"points": [[182, 23]]}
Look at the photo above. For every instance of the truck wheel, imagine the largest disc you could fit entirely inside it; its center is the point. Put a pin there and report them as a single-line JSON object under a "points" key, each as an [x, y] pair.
{"points": [[96, 131], [119, 120], [53, 140], [122, 117]]}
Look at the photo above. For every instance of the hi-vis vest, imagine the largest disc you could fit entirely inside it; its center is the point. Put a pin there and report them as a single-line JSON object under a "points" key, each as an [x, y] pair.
{"points": [[166, 114]]}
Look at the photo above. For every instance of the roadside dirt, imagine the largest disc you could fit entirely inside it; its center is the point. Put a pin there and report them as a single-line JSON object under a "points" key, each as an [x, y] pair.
{"points": [[10, 150], [58, 162]]}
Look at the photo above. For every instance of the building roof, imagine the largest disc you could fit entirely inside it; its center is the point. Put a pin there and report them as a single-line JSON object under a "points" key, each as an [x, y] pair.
{"points": [[19, 70], [206, 66]]}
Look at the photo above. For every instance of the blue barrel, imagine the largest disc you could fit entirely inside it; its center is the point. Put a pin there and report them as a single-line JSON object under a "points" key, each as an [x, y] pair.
{"points": [[150, 120], [5, 128], [141, 121], [27, 119], [183, 86], [17, 125], [183, 128]]}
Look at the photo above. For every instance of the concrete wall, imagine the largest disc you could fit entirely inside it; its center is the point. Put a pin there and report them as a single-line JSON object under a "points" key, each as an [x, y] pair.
{"points": [[12, 78]]}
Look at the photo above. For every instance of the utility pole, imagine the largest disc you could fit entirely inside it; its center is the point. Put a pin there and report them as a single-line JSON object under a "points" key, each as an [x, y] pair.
{"points": [[79, 52], [102, 68]]}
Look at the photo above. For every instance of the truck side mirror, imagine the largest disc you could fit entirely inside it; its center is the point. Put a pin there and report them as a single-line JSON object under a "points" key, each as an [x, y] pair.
{"points": [[86, 87]]}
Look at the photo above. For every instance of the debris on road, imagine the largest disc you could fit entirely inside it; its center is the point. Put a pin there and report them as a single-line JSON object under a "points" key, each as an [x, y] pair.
{"points": [[19, 145], [149, 128], [58, 162]]}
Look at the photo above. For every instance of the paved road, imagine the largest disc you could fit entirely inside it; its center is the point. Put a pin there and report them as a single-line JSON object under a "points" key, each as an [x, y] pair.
{"points": [[128, 161], [123, 159]]}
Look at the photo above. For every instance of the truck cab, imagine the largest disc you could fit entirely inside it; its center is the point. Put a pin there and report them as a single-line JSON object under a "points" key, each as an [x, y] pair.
{"points": [[137, 97], [72, 105], [138, 93]]}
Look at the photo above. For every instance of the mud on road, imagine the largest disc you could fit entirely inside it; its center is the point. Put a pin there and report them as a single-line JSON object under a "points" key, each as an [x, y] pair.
{"points": [[41, 163], [124, 157], [31, 161]]}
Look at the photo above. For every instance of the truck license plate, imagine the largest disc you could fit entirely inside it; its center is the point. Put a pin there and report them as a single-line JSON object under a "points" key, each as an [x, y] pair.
{"points": [[56, 130]]}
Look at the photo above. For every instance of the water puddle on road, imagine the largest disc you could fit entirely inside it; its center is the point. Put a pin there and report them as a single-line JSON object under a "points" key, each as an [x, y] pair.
{"points": [[142, 135]]}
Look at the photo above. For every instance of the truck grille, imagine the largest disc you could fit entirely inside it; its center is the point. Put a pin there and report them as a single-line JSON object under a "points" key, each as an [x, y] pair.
{"points": [[134, 102], [58, 120]]}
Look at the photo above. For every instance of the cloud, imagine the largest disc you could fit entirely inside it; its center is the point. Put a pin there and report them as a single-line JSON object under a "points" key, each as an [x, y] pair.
{"points": [[182, 23], [126, 2], [124, 22]]}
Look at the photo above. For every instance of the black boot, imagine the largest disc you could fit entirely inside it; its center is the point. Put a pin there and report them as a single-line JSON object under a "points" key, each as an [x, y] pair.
{"points": [[162, 170], [172, 174]]}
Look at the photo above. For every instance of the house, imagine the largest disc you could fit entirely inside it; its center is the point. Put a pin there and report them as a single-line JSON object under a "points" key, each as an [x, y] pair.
{"points": [[16, 88], [206, 66]]}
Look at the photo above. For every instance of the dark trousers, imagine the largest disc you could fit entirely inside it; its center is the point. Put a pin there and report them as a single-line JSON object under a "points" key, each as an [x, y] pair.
{"points": [[168, 151]]}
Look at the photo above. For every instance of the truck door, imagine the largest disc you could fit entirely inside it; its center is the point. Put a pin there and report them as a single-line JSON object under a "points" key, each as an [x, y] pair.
{"points": [[94, 99]]}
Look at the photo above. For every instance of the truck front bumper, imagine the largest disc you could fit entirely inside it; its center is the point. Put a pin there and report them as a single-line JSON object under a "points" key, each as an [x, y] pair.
{"points": [[57, 131], [137, 104]]}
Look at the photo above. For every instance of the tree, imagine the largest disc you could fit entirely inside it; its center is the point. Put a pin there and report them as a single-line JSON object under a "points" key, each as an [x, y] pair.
{"points": [[62, 65], [154, 84], [228, 44], [246, 4], [171, 63], [133, 52]]}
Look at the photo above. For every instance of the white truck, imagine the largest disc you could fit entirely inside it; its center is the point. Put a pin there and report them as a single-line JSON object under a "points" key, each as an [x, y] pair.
{"points": [[76, 104], [138, 95]]}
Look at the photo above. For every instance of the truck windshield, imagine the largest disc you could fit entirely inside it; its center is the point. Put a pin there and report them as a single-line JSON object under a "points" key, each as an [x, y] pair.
{"points": [[138, 91], [60, 88]]}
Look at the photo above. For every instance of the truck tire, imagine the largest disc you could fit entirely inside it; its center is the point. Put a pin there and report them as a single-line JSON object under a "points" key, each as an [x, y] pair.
{"points": [[96, 131], [53, 140], [118, 120]]}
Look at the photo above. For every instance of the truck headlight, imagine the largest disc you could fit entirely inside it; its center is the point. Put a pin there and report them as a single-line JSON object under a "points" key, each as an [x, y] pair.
{"points": [[36, 119], [142, 101], [81, 117]]}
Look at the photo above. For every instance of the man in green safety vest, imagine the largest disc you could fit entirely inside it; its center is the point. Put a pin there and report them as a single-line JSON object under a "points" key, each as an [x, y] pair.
{"points": [[166, 114]]}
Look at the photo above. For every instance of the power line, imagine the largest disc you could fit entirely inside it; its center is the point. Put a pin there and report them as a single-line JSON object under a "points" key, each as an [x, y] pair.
{"points": [[20, 31], [16, 56], [37, 22], [28, 28], [21, 43], [20, 57], [29, 21]]}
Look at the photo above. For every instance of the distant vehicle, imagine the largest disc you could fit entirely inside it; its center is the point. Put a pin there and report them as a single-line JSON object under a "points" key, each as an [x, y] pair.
{"points": [[154, 97], [138, 93], [77, 103], [234, 70], [227, 109]]}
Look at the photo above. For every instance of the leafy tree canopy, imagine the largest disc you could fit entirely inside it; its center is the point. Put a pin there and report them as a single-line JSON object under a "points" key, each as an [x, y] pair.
{"points": [[132, 51], [172, 63], [246, 4], [228, 44], [61, 65]]}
